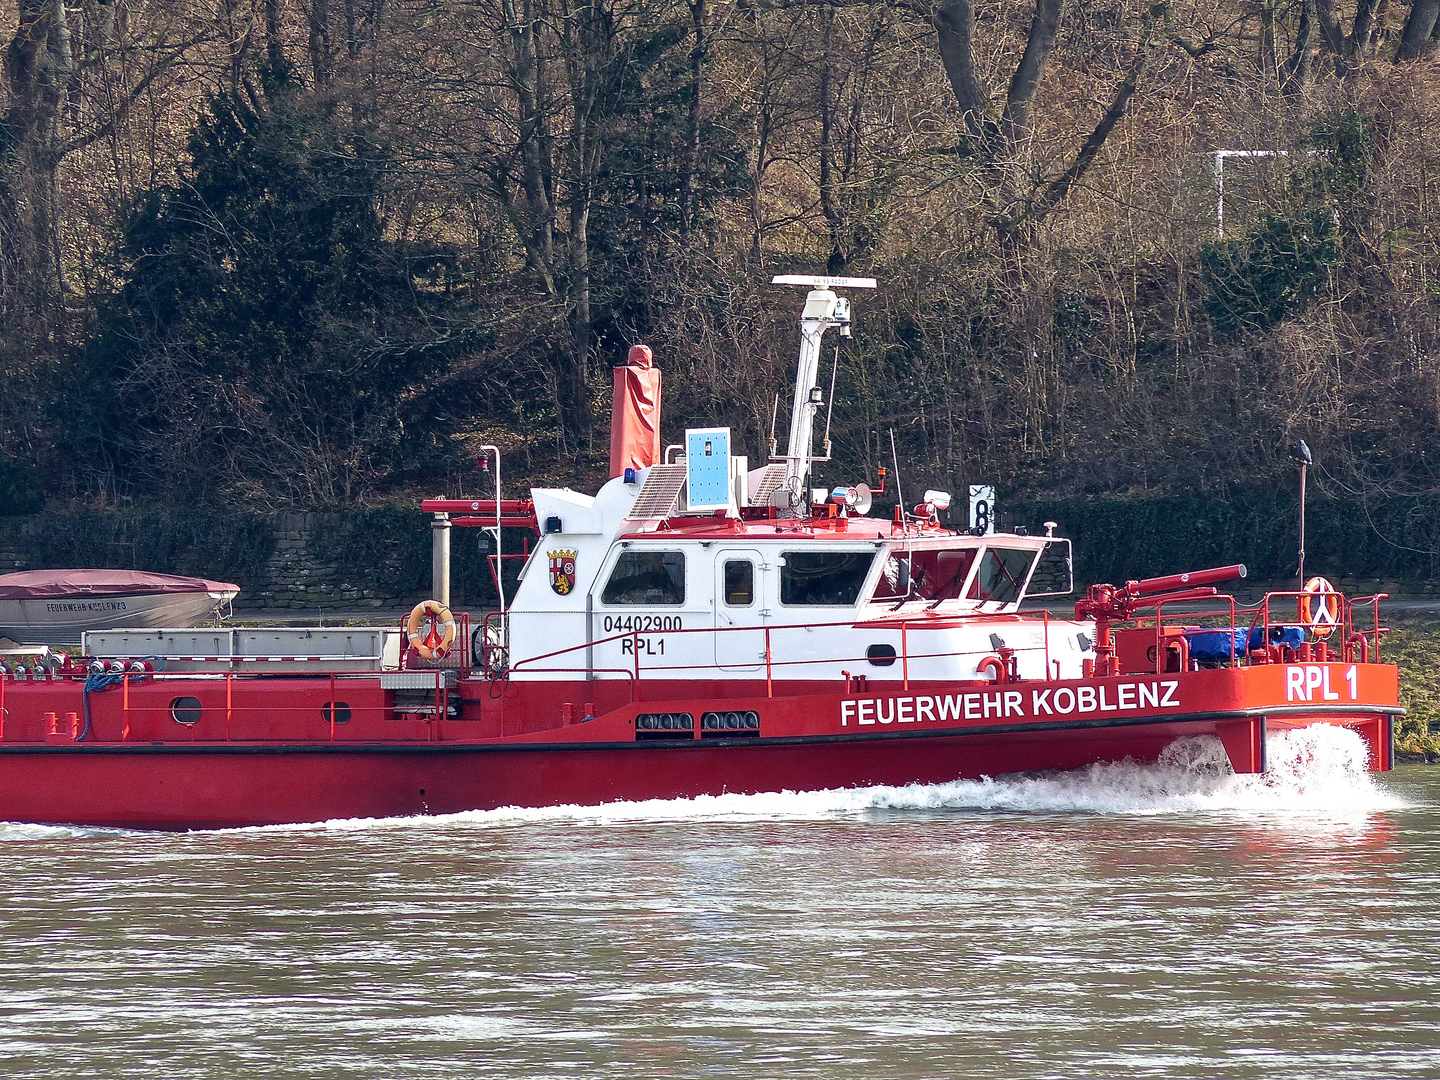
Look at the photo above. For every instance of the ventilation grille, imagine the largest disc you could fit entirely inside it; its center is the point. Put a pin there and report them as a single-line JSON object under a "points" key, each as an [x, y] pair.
{"points": [[659, 494], [770, 481]]}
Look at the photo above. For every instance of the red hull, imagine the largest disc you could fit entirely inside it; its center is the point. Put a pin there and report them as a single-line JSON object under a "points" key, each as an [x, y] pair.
{"points": [[178, 786], [260, 750]]}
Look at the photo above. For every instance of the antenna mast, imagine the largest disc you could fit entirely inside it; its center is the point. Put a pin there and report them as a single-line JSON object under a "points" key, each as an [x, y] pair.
{"points": [[823, 309]]}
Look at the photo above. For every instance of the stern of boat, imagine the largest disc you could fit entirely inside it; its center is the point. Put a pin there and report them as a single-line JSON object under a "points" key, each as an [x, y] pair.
{"points": [[1295, 660]]}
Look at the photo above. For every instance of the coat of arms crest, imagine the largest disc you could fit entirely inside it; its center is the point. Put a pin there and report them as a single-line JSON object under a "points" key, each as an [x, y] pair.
{"points": [[562, 571]]}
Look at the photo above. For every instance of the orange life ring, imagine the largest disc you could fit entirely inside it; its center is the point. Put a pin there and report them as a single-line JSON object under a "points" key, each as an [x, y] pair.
{"points": [[1320, 607], [437, 641]]}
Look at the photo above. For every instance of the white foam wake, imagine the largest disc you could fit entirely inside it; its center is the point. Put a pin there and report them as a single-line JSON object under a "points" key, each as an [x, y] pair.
{"points": [[1318, 770], [21, 830]]}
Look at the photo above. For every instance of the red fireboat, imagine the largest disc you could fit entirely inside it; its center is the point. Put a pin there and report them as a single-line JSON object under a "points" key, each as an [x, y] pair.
{"points": [[696, 627]]}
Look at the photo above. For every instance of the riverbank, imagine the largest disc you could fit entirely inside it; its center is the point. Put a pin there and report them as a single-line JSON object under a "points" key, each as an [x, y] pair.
{"points": [[1414, 644]]}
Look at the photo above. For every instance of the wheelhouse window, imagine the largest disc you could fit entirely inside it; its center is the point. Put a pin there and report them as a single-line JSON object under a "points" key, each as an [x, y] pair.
{"points": [[1002, 574], [646, 577], [739, 582], [935, 574], [824, 578]]}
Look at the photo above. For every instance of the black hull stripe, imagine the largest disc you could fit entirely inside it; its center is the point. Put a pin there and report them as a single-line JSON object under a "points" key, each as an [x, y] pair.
{"points": [[1365, 713]]}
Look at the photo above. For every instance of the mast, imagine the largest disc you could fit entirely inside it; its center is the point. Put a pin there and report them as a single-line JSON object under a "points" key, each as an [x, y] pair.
{"points": [[823, 309]]}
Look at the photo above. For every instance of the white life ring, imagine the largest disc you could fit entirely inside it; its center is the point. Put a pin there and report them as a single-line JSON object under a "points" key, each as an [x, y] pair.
{"points": [[436, 643], [1320, 607]]}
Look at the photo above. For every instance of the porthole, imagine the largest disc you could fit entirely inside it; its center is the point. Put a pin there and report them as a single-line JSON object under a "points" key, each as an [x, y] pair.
{"points": [[342, 712], [185, 710], [881, 655]]}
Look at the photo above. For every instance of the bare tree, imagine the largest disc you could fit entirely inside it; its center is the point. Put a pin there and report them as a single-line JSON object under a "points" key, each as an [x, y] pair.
{"points": [[1351, 50], [72, 75], [1018, 197], [528, 106]]}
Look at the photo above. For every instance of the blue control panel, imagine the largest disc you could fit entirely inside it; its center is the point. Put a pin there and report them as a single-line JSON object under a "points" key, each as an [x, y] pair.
{"points": [[707, 468]]}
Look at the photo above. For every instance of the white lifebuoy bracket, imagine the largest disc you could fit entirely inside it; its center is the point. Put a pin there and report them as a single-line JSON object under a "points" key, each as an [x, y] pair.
{"points": [[1320, 607]]}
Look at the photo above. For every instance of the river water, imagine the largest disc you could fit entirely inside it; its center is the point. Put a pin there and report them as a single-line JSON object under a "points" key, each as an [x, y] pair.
{"points": [[1126, 921]]}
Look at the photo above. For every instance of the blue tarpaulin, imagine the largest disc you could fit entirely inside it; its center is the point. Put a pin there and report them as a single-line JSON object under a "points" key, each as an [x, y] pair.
{"points": [[1216, 644]]}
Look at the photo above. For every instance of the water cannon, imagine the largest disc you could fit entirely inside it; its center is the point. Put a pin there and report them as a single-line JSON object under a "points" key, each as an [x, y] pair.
{"points": [[1195, 578], [1111, 602], [1106, 603]]}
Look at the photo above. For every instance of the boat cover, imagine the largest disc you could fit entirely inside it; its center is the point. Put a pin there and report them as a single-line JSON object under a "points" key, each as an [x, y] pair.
{"points": [[635, 423], [54, 584], [1215, 644]]}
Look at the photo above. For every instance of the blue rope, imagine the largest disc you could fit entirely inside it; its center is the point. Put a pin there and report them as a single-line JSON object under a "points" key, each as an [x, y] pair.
{"points": [[103, 680]]}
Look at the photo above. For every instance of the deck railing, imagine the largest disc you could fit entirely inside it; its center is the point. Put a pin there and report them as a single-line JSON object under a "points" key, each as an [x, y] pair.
{"points": [[1340, 641], [1171, 652], [533, 665]]}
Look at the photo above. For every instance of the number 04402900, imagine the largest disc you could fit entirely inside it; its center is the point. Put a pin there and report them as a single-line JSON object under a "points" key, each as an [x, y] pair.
{"points": [[643, 624]]}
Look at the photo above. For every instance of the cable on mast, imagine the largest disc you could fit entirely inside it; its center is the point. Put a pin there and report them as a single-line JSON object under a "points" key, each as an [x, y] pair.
{"points": [[830, 406]]}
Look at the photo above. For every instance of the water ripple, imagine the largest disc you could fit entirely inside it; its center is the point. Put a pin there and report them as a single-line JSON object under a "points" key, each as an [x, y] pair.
{"points": [[1130, 921]]}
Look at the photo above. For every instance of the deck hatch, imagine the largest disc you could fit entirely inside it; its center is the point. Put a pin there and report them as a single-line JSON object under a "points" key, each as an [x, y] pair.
{"points": [[419, 680]]}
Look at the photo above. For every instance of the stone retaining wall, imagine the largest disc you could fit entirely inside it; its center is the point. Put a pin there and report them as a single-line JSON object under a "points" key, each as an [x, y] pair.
{"points": [[296, 576]]}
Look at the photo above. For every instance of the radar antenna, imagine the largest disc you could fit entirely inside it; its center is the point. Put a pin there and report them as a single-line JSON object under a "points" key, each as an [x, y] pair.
{"points": [[823, 309]]}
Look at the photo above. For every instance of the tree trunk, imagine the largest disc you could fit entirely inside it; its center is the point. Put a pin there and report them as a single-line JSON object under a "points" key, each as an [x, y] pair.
{"points": [[699, 13], [764, 126], [575, 396], [38, 65], [274, 48], [321, 63], [1030, 70], [954, 28], [1366, 12], [1418, 29], [829, 201], [539, 229], [1269, 62], [1297, 69], [1330, 32]]}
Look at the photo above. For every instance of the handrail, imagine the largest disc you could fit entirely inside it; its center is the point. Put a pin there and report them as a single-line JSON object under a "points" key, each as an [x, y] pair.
{"points": [[769, 661], [1262, 622], [442, 691], [1223, 607], [1221, 610], [524, 664]]}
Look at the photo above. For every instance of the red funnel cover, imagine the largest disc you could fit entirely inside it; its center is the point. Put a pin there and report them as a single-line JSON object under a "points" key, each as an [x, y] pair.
{"points": [[635, 422]]}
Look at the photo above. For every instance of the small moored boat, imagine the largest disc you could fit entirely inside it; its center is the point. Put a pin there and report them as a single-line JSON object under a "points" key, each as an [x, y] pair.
{"points": [[59, 605]]}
